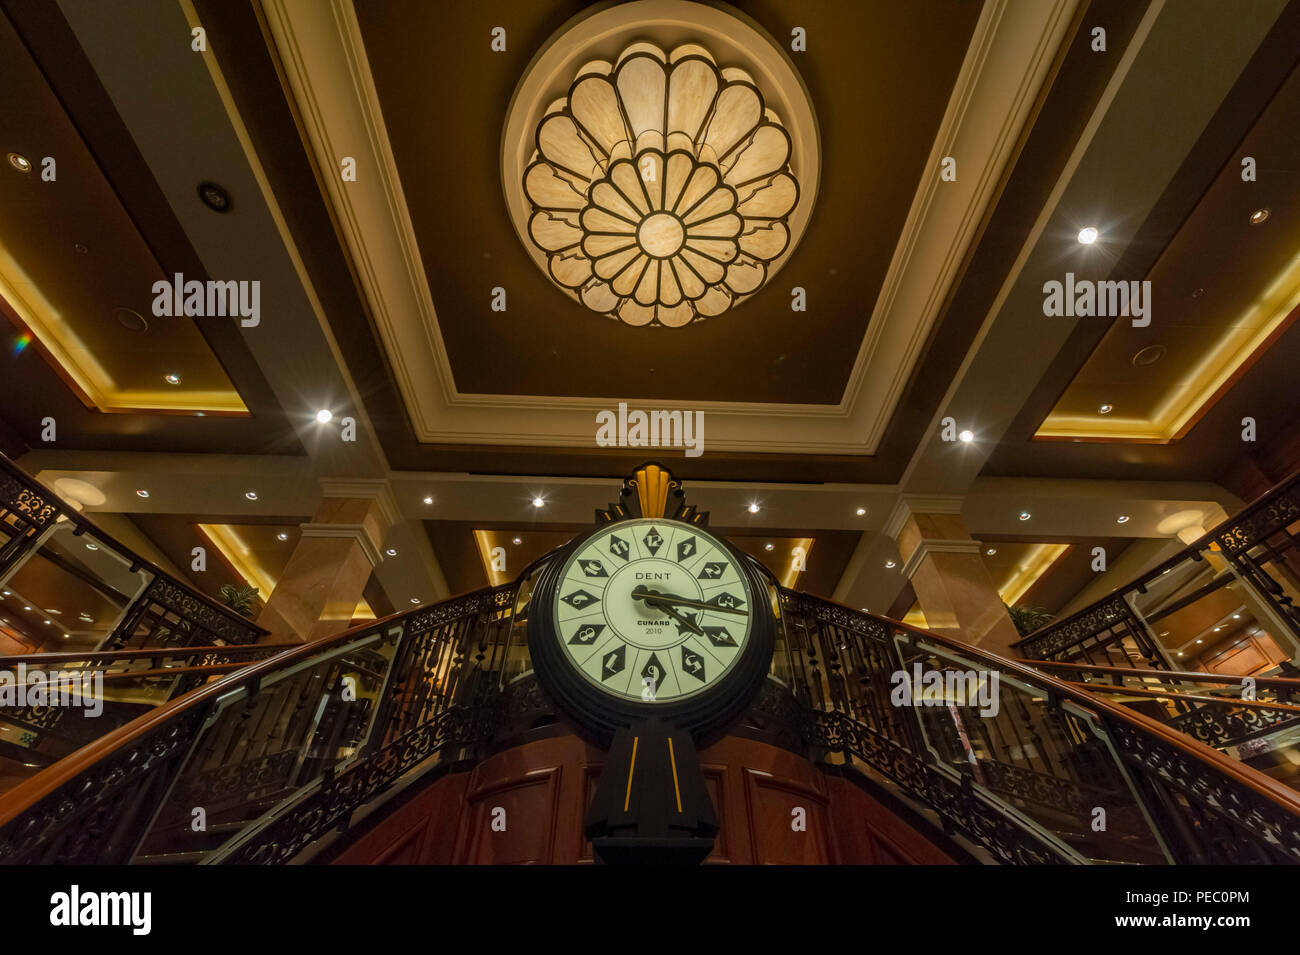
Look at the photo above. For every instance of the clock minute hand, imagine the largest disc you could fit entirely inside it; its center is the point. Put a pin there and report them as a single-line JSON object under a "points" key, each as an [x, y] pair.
{"points": [[643, 593]]}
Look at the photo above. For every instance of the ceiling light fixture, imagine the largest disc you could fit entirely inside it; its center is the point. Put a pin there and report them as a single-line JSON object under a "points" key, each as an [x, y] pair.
{"points": [[1088, 235], [991, 551], [861, 511], [1122, 519], [19, 162], [391, 552], [768, 546], [415, 600], [966, 437], [214, 197], [538, 502], [890, 565], [324, 416], [141, 492], [1106, 409], [251, 495], [1025, 515], [661, 189], [282, 536], [753, 508], [519, 540], [428, 500], [90, 546], [1236, 616], [1258, 216], [172, 379]]}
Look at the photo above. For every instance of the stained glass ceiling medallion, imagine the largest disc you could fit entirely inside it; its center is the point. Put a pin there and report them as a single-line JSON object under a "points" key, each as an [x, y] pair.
{"points": [[662, 189]]}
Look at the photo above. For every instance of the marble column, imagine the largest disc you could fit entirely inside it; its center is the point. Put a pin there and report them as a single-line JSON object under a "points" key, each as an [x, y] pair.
{"points": [[324, 580], [952, 585]]}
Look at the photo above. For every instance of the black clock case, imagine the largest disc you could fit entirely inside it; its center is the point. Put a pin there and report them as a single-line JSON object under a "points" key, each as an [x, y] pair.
{"points": [[595, 715]]}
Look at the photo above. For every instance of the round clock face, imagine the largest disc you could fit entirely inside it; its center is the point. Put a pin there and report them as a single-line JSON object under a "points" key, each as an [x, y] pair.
{"points": [[652, 610]]}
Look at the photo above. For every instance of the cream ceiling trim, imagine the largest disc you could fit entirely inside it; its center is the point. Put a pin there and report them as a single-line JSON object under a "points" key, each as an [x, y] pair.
{"points": [[324, 61]]}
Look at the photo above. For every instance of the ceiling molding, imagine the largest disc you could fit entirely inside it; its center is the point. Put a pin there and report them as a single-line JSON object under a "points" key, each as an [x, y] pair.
{"points": [[368, 489], [1006, 65], [926, 547]]}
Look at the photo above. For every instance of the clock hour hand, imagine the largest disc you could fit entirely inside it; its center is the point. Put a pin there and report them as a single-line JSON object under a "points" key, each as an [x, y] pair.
{"points": [[644, 593], [641, 594]]}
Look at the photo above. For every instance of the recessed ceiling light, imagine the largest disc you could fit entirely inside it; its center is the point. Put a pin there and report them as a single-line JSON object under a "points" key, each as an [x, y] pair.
{"points": [[1148, 356], [753, 508], [1164, 633], [8, 593], [90, 546], [47, 622], [1122, 519], [214, 197], [1198, 641], [172, 379], [966, 437], [1258, 216], [324, 416], [282, 536], [1180, 653], [519, 540], [991, 551], [251, 495], [1236, 616], [428, 500], [21, 163], [141, 493], [1088, 235], [538, 502], [768, 546], [1106, 409], [391, 552], [87, 618], [53, 610], [889, 564], [861, 511], [1025, 515], [415, 600]]}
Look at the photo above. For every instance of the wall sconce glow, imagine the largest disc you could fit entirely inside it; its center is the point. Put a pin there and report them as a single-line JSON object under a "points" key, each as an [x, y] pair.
{"points": [[966, 437], [753, 508], [661, 187], [324, 416], [538, 502], [1122, 519], [1258, 216], [21, 163], [1088, 235]]}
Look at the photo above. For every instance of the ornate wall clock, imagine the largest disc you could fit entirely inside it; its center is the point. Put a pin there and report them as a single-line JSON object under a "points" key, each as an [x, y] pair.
{"points": [[651, 635]]}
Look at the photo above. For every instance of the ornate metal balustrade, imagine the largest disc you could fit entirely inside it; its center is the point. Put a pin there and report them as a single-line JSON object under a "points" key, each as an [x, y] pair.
{"points": [[166, 612], [1258, 547], [283, 752]]}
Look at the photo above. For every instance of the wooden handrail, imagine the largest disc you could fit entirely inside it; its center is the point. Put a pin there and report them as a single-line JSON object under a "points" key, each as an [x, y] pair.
{"points": [[1191, 676], [35, 788], [1281, 795], [1185, 697], [72, 656]]}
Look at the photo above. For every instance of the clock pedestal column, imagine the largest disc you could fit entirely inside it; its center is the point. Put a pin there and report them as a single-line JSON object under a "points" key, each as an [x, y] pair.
{"points": [[651, 805]]}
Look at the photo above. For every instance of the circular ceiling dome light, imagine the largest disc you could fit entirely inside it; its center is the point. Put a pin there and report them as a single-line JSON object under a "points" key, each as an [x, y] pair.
{"points": [[660, 161], [20, 162]]}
